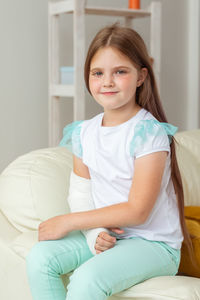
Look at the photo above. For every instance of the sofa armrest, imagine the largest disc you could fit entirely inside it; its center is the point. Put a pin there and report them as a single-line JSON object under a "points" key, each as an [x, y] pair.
{"points": [[16, 241], [23, 243], [7, 231]]}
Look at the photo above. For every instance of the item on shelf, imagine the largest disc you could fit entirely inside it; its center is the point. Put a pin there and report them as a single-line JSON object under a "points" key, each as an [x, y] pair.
{"points": [[134, 4], [67, 75]]}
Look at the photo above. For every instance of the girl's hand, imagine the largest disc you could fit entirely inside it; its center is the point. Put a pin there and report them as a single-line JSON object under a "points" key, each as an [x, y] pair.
{"points": [[54, 228], [105, 241]]}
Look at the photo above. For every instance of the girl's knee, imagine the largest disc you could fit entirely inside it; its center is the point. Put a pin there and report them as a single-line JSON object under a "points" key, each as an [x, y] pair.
{"points": [[39, 257], [90, 282]]}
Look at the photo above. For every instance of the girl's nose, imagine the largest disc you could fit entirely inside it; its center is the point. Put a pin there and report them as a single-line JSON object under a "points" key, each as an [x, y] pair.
{"points": [[108, 81]]}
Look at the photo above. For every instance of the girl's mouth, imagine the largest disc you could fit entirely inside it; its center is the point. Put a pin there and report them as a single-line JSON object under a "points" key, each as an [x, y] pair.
{"points": [[109, 93]]}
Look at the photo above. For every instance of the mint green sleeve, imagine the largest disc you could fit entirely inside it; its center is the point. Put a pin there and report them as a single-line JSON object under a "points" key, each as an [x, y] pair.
{"points": [[71, 138], [151, 136]]}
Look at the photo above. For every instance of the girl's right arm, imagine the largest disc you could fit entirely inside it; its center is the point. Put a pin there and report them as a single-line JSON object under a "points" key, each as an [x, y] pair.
{"points": [[80, 168]]}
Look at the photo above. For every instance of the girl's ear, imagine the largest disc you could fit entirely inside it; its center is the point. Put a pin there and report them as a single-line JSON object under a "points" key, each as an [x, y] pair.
{"points": [[142, 74]]}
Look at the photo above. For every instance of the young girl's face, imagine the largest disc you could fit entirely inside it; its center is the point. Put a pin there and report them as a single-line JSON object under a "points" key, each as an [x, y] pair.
{"points": [[113, 79]]}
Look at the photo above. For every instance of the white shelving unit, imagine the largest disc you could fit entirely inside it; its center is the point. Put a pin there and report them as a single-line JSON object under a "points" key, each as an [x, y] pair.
{"points": [[79, 9]]}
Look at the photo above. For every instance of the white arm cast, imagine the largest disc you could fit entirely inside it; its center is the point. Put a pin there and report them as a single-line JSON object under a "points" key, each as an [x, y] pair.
{"points": [[80, 199]]}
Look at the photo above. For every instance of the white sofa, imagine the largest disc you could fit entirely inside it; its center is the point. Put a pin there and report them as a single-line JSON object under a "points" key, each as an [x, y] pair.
{"points": [[34, 188]]}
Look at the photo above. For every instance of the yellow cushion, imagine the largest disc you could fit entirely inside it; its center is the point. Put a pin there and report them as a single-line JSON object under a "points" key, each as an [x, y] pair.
{"points": [[192, 218]]}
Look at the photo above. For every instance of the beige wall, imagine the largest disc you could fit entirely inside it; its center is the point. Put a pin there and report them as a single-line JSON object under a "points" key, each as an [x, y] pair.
{"points": [[23, 69], [23, 77]]}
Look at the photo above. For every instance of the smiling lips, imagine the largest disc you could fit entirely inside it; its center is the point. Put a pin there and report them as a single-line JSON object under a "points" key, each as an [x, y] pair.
{"points": [[109, 93]]}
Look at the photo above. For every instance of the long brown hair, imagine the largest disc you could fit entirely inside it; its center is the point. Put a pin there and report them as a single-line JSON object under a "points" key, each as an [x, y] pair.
{"points": [[130, 43]]}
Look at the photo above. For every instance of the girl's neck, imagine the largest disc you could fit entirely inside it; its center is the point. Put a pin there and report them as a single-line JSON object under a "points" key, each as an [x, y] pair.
{"points": [[114, 118]]}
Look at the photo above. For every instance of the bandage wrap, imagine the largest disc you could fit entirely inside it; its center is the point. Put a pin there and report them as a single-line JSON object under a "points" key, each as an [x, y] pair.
{"points": [[80, 199]]}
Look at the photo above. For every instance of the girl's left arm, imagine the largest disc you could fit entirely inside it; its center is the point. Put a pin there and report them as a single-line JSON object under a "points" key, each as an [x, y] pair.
{"points": [[148, 172]]}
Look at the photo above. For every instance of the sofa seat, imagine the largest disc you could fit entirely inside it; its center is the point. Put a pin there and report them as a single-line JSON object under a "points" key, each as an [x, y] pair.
{"points": [[17, 245]]}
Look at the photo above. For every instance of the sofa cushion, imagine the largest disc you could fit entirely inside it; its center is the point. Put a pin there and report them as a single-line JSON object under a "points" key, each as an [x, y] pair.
{"points": [[163, 288], [188, 149], [34, 187]]}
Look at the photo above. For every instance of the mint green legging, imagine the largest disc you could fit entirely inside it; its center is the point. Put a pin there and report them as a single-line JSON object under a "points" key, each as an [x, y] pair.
{"points": [[97, 277]]}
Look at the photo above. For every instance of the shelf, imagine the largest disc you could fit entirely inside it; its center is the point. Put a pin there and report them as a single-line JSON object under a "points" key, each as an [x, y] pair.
{"points": [[63, 7], [108, 11], [62, 90]]}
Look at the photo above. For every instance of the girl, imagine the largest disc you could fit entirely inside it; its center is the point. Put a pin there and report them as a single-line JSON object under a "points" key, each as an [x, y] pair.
{"points": [[127, 154]]}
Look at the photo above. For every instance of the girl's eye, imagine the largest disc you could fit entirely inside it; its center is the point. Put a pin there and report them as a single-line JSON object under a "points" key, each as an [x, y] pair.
{"points": [[121, 72], [97, 74]]}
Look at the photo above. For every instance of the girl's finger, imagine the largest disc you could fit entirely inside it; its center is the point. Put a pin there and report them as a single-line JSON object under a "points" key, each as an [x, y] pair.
{"points": [[105, 239], [102, 244], [100, 248], [103, 248]]}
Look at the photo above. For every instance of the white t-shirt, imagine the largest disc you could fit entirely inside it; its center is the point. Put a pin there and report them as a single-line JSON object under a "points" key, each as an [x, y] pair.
{"points": [[109, 154]]}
